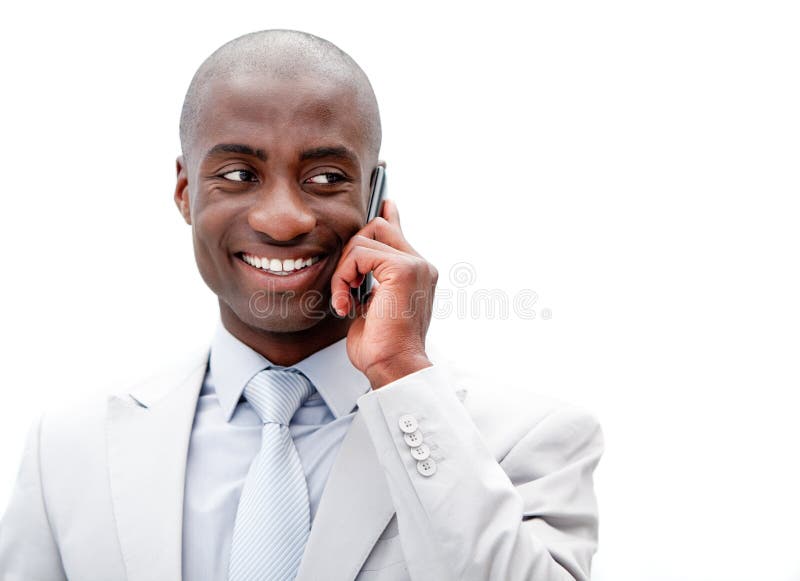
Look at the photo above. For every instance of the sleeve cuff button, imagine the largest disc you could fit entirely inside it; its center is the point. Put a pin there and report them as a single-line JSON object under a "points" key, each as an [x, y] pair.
{"points": [[414, 439], [421, 452], [427, 467], [408, 424]]}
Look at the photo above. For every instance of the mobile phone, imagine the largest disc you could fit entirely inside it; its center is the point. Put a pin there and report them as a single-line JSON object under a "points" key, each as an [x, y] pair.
{"points": [[377, 193]]}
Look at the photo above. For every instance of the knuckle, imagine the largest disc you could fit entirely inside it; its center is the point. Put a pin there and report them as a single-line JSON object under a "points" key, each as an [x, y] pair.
{"points": [[406, 267], [414, 263], [352, 244], [383, 226]]}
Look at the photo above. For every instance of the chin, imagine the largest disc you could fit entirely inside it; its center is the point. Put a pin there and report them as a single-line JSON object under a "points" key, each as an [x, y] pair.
{"points": [[280, 318], [284, 325]]}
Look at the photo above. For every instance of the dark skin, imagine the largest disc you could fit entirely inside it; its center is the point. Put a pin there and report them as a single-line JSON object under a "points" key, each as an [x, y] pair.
{"points": [[280, 168]]}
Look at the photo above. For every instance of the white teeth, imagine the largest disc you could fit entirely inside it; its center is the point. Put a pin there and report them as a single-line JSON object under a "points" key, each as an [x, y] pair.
{"points": [[278, 266]]}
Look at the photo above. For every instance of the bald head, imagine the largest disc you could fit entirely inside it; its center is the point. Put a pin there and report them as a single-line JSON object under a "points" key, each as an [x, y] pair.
{"points": [[282, 54]]}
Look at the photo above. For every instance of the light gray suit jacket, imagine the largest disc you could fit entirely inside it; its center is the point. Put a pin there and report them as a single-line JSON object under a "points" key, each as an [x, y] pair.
{"points": [[99, 495]]}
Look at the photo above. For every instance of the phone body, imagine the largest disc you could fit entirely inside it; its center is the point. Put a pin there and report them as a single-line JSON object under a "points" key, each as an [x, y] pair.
{"points": [[377, 193]]}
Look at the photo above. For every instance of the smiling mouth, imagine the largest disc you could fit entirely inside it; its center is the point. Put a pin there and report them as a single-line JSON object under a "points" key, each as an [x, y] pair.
{"points": [[276, 266]]}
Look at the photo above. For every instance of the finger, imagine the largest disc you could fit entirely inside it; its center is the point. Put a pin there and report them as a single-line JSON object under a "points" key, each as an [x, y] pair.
{"points": [[390, 213], [359, 261], [361, 240], [387, 232], [354, 242]]}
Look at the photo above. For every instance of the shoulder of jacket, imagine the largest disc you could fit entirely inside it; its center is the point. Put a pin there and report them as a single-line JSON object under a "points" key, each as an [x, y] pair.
{"points": [[168, 377], [508, 407], [82, 419]]}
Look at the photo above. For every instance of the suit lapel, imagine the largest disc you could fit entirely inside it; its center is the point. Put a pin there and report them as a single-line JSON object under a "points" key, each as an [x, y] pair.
{"points": [[354, 509], [148, 434]]}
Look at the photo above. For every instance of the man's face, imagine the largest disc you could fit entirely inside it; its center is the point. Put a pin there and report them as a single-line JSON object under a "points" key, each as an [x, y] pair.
{"points": [[276, 183]]}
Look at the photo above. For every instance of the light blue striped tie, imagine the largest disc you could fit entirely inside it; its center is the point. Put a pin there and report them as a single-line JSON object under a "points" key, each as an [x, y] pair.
{"points": [[273, 520]]}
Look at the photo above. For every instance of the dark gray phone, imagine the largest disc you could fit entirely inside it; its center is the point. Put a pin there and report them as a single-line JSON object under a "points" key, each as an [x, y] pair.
{"points": [[377, 193]]}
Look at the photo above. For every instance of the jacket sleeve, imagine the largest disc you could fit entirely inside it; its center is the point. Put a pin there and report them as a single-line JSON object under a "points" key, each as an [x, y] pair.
{"points": [[529, 515], [28, 551]]}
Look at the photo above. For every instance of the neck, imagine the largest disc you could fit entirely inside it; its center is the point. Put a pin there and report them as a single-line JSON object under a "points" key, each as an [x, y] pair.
{"points": [[286, 348]]}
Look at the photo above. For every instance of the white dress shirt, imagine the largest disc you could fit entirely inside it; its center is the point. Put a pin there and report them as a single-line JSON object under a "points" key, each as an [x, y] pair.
{"points": [[226, 436]]}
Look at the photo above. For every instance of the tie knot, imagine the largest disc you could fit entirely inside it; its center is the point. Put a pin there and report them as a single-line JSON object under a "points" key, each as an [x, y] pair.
{"points": [[276, 394]]}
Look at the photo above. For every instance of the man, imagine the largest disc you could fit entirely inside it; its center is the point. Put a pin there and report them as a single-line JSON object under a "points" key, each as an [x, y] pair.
{"points": [[318, 437]]}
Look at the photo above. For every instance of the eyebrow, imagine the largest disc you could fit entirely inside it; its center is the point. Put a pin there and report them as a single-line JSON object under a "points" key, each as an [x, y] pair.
{"points": [[237, 148], [330, 151], [335, 151]]}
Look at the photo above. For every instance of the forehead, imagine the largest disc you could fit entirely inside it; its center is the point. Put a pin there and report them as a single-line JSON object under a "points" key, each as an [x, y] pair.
{"points": [[279, 113]]}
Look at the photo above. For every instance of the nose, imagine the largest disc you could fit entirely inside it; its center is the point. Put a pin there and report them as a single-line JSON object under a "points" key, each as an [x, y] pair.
{"points": [[280, 212]]}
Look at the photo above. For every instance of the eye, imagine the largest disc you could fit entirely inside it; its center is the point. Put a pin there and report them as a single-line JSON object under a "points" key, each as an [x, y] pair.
{"points": [[239, 175], [327, 178]]}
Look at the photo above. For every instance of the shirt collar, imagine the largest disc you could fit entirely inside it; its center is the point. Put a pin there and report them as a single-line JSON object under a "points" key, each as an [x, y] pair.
{"points": [[232, 364]]}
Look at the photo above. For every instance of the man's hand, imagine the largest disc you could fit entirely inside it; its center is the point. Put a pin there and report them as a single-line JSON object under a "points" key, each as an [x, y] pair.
{"points": [[387, 339]]}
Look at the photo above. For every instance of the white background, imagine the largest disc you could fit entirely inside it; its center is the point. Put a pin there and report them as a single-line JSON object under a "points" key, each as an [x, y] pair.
{"points": [[633, 163]]}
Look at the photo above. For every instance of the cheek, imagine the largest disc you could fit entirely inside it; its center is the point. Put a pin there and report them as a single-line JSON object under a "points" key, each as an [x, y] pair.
{"points": [[211, 218], [348, 216], [209, 224], [348, 223]]}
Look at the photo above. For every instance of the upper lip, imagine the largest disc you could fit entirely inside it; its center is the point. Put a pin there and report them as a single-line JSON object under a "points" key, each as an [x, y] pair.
{"points": [[283, 254]]}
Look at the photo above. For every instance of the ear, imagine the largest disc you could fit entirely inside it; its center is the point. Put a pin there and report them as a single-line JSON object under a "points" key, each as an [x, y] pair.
{"points": [[182, 190]]}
